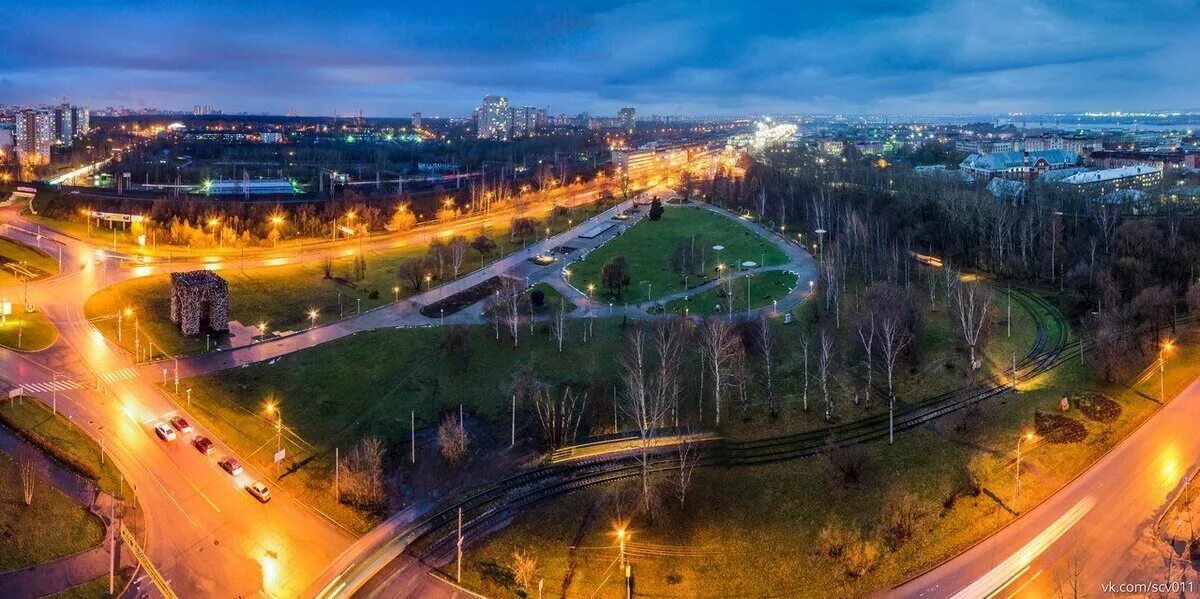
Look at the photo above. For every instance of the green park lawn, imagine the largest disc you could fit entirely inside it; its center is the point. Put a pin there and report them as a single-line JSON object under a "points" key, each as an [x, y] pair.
{"points": [[551, 298], [707, 549], [62, 440], [54, 526], [96, 588], [367, 385], [649, 247], [16, 259], [765, 288], [283, 296], [27, 331]]}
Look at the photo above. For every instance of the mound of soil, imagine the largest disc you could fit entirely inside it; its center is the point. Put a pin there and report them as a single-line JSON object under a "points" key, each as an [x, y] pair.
{"points": [[1056, 428], [1098, 407]]}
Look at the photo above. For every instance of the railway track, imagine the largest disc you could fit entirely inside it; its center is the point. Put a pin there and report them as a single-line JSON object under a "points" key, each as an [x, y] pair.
{"points": [[432, 540]]}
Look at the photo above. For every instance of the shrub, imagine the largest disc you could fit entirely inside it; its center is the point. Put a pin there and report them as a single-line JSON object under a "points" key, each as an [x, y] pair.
{"points": [[1098, 407], [1056, 428], [538, 298], [900, 518], [860, 556], [524, 569], [832, 538], [453, 440]]}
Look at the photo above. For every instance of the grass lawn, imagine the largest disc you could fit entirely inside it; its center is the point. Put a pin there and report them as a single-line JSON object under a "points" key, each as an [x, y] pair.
{"points": [[367, 385], [649, 247], [765, 287], [552, 298], [710, 550], [27, 331], [66, 442], [17, 258], [53, 526], [939, 365], [96, 588], [282, 296]]}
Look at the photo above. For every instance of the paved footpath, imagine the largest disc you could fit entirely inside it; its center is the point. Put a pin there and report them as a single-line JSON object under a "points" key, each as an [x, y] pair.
{"points": [[406, 312], [73, 570]]}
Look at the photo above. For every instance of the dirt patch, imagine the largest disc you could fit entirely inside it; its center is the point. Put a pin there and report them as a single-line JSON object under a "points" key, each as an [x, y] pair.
{"points": [[1056, 428], [1098, 407]]}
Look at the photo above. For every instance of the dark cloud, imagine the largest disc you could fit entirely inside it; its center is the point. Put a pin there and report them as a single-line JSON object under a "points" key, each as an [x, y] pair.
{"points": [[703, 56]]}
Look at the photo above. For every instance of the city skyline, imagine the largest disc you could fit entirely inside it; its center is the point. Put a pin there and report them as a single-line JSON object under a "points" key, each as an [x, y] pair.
{"points": [[853, 58]]}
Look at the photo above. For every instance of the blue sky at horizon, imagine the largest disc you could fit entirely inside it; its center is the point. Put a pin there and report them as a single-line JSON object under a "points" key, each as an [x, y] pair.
{"points": [[665, 57]]}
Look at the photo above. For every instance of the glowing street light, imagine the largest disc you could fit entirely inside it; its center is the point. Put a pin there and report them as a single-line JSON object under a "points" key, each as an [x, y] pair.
{"points": [[273, 408], [312, 317], [1027, 436], [262, 331], [396, 293], [1162, 366]]}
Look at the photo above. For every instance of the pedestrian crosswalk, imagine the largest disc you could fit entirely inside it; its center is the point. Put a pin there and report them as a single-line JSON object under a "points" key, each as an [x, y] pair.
{"points": [[116, 376], [50, 386]]}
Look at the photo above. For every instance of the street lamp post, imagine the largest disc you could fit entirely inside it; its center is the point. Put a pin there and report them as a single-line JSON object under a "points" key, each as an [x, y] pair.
{"points": [[274, 409], [312, 318], [1162, 367], [1017, 498]]}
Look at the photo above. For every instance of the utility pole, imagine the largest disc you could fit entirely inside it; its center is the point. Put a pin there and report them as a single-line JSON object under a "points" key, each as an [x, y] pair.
{"points": [[413, 443], [337, 471], [112, 557], [458, 578], [513, 443]]}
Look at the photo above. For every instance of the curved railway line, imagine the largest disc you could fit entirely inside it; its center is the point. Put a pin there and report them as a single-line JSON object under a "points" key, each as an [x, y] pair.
{"points": [[432, 539]]}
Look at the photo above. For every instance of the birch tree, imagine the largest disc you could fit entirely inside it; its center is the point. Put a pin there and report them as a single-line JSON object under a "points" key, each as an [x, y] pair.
{"points": [[866, 337], [972, 310], [824, 364], [718, 344]]}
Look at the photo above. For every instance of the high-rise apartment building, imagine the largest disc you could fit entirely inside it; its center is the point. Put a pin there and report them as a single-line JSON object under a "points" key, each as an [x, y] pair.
{"points": [[495, 120], [34, 134], [81, 120], [69, 122], [626, 118], [416, 120], [524, 121]]}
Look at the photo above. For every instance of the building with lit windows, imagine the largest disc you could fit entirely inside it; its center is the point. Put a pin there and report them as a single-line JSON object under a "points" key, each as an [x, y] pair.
{"points": [[627, 118], [495, 119], [33, 135], [1015, 165], [1102, 182], [524, 121], [416, 120]]}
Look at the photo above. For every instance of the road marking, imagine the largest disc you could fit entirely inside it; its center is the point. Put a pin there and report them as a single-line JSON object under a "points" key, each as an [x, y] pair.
{"points": [[116, 376], [51, 386]]}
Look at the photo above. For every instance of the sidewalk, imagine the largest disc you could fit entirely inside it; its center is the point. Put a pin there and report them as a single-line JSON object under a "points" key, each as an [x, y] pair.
{"points": [[73, 570]]}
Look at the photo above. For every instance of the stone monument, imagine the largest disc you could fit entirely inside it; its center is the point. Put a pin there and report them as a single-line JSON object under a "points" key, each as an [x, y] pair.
{"points": [[199, 301]]}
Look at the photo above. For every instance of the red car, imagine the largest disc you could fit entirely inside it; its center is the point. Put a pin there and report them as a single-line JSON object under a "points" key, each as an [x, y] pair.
{"points": [[181, 423], [230, 465], [203, 444]]}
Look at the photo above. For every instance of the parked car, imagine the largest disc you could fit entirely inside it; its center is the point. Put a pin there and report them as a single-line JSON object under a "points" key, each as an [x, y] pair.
{"points": [[181, 423], [203, 444], [230, 465], [259, 491], [164, 432]]}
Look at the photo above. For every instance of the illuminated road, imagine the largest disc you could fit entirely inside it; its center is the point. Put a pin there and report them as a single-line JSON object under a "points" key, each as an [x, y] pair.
{"points": [[205, 534], [1095, 521]]}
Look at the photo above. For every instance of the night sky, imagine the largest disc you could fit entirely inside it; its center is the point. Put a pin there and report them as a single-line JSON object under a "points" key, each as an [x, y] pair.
{"points": [[665, 57]]}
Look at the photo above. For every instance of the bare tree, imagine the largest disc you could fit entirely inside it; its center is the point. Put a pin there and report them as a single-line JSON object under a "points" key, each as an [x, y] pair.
{"points": [[645, 404], [364, 475], [950, 277], [688, 454], [457, 248], [824, 363], [972, 308], [512, 306], [28, 479], [866, 337], [805, 342], [765, 340], [524, 568], [558, 325], [453, 440], [559, 415], [893, 338], [718, 344]]}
